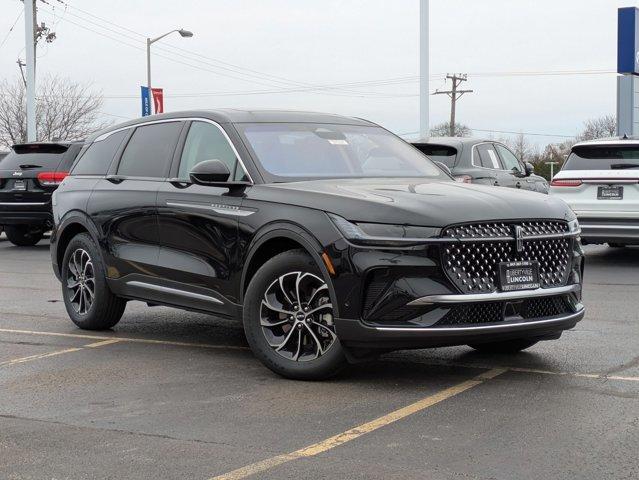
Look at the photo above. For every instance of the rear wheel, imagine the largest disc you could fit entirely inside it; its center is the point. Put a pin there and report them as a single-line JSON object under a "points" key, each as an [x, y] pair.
{"points": [[87, 297], [23, 235], [508, 346], [289, 321]]}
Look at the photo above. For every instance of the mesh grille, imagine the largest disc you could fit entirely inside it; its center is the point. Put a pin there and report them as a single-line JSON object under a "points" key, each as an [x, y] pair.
{"points": [[475, 313], [474, 266], [490, 312], [544, 307]]}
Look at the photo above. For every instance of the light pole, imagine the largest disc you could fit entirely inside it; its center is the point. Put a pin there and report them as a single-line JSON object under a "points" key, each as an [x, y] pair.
{"points": [[424, 56], [150, 41]]}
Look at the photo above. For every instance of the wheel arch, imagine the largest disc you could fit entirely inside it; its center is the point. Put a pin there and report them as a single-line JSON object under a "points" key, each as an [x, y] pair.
{"points": [[280, 238], [71, 225]]}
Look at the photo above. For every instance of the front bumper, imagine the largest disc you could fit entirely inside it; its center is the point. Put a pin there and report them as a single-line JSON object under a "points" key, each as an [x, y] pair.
{"points": [[403, 298], [355, 334]]}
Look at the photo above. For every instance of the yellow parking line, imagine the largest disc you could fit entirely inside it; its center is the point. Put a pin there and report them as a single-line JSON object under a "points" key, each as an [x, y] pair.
{"points": [[36, 357], [30, 358], [356, 432], [124, 339]]}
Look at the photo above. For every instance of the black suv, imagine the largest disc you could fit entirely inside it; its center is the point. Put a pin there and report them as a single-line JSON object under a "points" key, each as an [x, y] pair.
{"points": [[28, 176], [483, 161], [331, 237]]}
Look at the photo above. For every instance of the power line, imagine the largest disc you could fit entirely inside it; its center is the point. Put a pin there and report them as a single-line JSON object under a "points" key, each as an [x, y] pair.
{"points": [[325, 89], [6, 37], [235, 70]]}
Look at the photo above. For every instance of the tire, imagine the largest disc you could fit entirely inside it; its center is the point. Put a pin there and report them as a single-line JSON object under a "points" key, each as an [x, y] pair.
{"points": [[617, 245], [23, 235], [104, 310], [301, 345], [508, 346]]}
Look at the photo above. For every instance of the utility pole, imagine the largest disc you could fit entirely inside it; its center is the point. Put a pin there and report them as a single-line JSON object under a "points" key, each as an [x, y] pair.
{"points": [[455, 94], [21, 66], [29, 46], [424, 68]]}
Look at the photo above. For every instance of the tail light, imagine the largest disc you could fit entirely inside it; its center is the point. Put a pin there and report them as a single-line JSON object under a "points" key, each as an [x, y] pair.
{"points": [[464, 179], [565, 183], [51, 178]]}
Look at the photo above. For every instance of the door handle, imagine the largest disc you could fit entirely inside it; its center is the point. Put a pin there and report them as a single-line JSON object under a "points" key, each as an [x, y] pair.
{"points": [[115, 179], [179, 182]]}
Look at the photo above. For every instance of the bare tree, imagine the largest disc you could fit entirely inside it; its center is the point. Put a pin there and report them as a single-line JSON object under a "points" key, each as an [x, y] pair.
{"points": [[65, 110], [521, 147], [601, 127], [443, 130]]}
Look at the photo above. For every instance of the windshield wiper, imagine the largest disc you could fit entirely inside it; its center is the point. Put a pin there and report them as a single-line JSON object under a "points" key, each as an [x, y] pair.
{"points": [[27, 166], [621, 166]]}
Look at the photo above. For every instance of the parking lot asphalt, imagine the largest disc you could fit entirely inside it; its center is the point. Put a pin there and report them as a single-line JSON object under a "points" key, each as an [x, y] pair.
{"points": [[177, 395]]}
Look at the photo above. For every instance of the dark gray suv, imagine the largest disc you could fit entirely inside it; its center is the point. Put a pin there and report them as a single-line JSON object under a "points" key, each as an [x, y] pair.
{"points": [[483, 161]]}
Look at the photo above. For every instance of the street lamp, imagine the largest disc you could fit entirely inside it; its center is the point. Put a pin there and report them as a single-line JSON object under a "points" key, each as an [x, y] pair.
{"points": [[149, 41]]}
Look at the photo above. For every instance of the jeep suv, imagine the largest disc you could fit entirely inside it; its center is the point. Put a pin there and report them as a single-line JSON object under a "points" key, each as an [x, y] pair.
{"points": [[28, 176], [330, 237]]}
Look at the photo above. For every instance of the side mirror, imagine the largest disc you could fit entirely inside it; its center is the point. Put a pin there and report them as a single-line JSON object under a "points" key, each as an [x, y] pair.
{"points": [[210, 172], [444, 167], [530, 169]]}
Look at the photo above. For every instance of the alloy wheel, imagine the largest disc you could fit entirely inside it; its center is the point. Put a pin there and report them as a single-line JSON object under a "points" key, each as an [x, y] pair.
{"points": [[80, 281], [296, 316]]}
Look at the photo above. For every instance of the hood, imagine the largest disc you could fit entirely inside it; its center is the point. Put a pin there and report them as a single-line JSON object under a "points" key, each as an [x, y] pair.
{"points": [[413, 201]]}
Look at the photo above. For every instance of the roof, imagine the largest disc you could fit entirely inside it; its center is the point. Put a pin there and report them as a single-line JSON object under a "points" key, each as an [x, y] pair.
{"points": [[453, 141], [245, 116], [609, 141]]}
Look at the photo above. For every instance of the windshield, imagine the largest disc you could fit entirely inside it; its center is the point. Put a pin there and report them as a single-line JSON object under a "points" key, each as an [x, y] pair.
{"points": [[304, 150], [608, 157]]}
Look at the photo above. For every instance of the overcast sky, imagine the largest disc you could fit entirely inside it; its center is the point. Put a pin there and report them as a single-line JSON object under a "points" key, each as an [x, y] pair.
{"points": [[305, 43]]}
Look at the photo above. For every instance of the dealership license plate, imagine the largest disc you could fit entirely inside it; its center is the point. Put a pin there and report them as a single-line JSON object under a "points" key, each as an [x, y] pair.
{"points": [[19, 185], [610, 193], [521, 275]]}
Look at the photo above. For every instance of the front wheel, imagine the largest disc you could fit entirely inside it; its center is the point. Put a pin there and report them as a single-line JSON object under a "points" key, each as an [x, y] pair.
{"points": [[23, 235], [508, 346], [289, 319]]}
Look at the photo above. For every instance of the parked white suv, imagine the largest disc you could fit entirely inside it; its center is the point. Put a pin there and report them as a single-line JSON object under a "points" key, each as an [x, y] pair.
{"points": [[600, 182]]}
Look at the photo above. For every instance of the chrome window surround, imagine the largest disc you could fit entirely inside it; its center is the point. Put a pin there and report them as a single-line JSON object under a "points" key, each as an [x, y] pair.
{"points": [[472, 155], [183, 119]]}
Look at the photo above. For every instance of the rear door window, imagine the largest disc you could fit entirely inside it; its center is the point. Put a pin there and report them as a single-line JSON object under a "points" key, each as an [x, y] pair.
{"points": [[439, 153], [98, 157], [609, 157], [486, 156], [150, 150]]}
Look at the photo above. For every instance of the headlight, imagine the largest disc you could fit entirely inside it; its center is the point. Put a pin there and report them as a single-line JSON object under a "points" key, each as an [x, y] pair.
{"points": [[383, 234], [573, 226]]}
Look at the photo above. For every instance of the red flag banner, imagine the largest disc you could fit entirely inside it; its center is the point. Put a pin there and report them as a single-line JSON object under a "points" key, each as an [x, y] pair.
{"points": [[158, 99]]}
